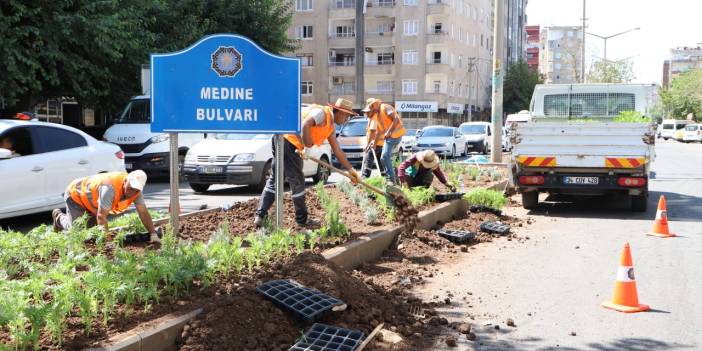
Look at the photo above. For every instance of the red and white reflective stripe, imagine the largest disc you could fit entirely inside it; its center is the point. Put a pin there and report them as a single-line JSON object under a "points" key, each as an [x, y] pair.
{"points": [[661, 214], [625, 274]]}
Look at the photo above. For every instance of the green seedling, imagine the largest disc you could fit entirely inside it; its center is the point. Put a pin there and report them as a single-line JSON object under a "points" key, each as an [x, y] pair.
{"points": [[486, 197]]}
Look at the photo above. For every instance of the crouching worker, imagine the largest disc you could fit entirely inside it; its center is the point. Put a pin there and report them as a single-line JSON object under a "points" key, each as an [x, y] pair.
{"points": [[420, 169], [317, 127], [103, 195]]}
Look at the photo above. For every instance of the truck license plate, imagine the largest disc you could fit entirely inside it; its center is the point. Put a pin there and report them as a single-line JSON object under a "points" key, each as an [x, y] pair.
{"points": [[581, 180], [211, 169]]}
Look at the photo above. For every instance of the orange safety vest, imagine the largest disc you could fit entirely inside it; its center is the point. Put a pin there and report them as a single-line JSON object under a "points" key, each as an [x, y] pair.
{"points": [[319, 133], [384, 122], [80, 187]]}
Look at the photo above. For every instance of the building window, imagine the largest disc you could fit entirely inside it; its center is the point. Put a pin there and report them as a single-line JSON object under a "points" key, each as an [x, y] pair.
{"points": [[386, 28], [344, 4], [303, 5], [437, 86], [384, 86], [435, 57], [410, 2], [306, 88], [303, 32], [409, 57], [409, 87], [306, 60], [386, 58], [437, 28], [410, 27], [345, 31]]}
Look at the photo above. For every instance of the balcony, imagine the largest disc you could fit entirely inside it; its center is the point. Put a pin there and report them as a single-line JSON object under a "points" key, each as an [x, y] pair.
{"points": [[346, 67], [345, 89], [438, 7], [380, 8], [342, 39], [385, 66], [342, 9], [437, 37], [380, 39]]}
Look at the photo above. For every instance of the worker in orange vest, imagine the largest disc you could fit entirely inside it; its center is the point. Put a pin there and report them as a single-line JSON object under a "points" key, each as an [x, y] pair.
{"points": [[390, 130], [317, 127], [102, 195]]}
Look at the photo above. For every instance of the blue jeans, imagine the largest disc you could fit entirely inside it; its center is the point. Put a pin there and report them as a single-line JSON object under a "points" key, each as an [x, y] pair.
{"points": [[386, 158]]}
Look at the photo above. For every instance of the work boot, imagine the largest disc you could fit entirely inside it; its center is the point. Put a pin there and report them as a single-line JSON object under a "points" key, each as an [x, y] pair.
{"points": [[311, 223], [55, 214], [259, 222]]}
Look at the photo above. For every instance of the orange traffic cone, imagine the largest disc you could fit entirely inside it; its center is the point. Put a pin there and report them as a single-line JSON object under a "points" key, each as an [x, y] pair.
{"points": [[625, 298], [660, 225]]}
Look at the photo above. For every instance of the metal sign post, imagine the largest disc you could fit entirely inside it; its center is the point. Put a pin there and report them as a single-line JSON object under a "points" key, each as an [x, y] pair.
{"points": [[225, 83], [174, 203], [279, 185]]}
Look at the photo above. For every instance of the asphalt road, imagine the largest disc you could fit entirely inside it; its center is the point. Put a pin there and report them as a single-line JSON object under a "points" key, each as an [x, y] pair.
{"points": [[552, 285]]}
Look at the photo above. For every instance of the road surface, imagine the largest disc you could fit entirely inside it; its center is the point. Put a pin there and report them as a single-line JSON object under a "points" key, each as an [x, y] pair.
{"points": [[552, 285]]}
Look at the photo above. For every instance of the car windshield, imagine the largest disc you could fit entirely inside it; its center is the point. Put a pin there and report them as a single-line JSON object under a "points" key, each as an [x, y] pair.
{"points": [[354, 128], [411, 132], [229, 136], [437, 132], [137, 111], [473, 129], [691, 128]]}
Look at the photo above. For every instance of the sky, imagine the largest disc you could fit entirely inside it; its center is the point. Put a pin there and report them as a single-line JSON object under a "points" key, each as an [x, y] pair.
{"points": [[664, 25]]}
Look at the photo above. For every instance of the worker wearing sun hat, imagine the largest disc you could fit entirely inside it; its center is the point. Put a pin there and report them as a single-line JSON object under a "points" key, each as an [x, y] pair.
{"points": [[420, 169], [390, 130], [317, 127], [102, 195]]}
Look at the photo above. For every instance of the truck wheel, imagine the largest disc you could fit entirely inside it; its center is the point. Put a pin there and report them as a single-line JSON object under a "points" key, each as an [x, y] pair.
{"points": [[530, 200], [322, 174], [199, 187], [639, 203]]}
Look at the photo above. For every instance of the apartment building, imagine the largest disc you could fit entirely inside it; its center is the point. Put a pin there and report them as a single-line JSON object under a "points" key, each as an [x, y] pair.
{"points": [[682, 59], [515, 35], [430, 58], [533, 46], [560, 54]]}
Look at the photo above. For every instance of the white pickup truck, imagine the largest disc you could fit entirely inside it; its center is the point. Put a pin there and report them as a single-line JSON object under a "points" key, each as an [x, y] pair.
{"points": [[573, 146]]}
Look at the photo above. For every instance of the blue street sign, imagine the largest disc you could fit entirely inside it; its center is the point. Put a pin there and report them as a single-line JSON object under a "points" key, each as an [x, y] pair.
{"points": [[225, 83]]}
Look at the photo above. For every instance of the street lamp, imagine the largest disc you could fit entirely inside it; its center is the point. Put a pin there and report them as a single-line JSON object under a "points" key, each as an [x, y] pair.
{"points": [[609, 37]]}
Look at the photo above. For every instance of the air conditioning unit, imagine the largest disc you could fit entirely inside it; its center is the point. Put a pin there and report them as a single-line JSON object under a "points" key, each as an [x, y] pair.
{"points": [[338, 80], [369, 49]]}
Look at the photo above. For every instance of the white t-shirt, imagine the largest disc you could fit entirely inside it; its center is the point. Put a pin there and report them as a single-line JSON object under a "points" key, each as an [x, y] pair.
{"points": [[318, 115]]}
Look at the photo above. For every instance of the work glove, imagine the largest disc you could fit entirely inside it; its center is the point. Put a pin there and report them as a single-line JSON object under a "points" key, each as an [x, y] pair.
{"points": [[355, 178]]}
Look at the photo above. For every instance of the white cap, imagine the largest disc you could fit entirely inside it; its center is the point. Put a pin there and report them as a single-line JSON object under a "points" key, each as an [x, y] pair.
{"points": [[137, 179]]}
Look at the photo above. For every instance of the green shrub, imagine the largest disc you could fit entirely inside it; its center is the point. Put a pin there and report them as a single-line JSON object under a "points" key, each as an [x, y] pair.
{"points": [[419, 196], [486, 197], [631, 117]]}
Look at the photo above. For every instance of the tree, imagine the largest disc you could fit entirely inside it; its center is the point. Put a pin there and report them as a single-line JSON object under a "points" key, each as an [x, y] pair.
{"points": [[684, 96], [610, 72], [92, 50], [518, 87]]}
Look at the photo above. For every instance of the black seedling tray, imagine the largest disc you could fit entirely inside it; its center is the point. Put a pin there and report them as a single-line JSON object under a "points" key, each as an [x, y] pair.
{"points": [[133, 238], [322, 337], [481, 208], [305, 303], [447, 197], [495, 228], [456, 236]]}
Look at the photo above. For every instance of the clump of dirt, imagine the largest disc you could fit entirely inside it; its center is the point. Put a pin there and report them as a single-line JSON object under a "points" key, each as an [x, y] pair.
{"points": [[244, 320]]}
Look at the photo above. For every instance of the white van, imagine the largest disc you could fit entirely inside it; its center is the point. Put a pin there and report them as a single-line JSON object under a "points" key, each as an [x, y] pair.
{"points": [[521, 117], [144, 149], [670, 126]]}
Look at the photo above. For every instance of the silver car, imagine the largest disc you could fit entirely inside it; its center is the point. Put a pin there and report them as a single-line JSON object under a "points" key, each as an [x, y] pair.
{"points": [[445, 141]]}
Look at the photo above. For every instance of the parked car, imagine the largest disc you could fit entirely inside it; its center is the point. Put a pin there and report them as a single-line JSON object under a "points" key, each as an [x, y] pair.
{"points": [[445, 141], [679, 134], [241, 159], [670, 126], [478, 135], [352, 139], [409, 140], [693, 132], [48, 157]]}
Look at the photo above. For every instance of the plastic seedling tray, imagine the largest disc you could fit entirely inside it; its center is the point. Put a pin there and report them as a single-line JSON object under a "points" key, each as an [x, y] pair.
{"points": [[132, 238], [456, 236], [447, 197], [481, 208], [495, 228], [322, 337], [305, 303]]}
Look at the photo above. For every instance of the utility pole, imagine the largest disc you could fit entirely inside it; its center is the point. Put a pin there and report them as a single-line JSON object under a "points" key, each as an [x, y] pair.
{"points": [[497, 78], [360, 51], [582, 58], [471, 66]]}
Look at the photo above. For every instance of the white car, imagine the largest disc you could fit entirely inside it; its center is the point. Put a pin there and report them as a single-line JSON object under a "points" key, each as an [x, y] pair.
{"points": [[693, 132], [241, 159], [409, 140], [478, 135], [445, 141], [48, 157]]}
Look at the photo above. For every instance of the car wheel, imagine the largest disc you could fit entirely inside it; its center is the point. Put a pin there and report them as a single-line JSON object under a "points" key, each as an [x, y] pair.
{"points": [[453, 151], [465, 150], [265, 173], [199, 187], [530, 200], [664, 138], [322, 172]]}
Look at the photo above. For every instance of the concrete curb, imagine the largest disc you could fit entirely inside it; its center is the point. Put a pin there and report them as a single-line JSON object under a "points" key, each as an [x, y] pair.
{"points": [[349, 255]]}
